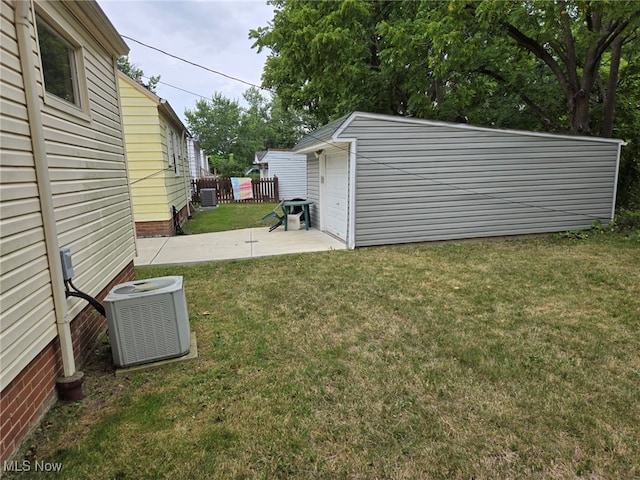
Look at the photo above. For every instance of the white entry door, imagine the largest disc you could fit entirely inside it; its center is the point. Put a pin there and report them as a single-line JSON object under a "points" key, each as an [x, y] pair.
{"points": [[336, 189]]}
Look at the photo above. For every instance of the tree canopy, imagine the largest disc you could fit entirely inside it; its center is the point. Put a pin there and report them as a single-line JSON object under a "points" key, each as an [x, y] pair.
{"points": [[133, 71], [232, 134], [564, 66]]}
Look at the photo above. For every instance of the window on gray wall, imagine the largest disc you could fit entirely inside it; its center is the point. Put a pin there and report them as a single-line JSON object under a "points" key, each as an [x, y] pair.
{"points": [[58, 63]]}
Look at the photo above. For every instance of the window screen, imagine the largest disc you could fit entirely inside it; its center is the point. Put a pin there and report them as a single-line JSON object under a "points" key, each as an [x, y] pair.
{"points": [[58, 65]]}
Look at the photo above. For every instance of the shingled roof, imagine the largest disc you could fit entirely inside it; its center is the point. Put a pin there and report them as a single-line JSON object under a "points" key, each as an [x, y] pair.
{"points": [[320, 136]]}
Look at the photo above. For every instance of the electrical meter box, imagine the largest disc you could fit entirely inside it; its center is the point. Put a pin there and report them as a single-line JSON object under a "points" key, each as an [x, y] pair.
{"points": [[67, 264]]}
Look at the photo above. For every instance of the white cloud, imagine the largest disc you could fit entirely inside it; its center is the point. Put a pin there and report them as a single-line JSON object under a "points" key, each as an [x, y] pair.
{"points": [[214, 34]]}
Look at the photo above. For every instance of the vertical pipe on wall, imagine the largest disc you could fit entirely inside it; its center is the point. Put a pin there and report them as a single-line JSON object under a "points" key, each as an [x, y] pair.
{"points": [[23, 31]]}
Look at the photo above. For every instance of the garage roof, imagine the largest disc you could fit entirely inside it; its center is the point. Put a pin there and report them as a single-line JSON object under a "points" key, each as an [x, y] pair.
{"points": [[324, 135]]}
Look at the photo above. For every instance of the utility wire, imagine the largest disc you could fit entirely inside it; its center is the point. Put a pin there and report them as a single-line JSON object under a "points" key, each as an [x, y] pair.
{"points": [[151, 175], [230, 77], [178, 88], [450, 185], [387, 165]]}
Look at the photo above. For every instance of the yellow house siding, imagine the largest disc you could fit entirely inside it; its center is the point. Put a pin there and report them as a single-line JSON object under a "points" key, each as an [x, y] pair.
{"points": [[27, 320], [175, 182], [144, 153], [155, 186]]}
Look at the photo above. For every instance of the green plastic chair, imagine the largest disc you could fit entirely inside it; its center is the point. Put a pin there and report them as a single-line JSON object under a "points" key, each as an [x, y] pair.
{"points": [[274, 214]]}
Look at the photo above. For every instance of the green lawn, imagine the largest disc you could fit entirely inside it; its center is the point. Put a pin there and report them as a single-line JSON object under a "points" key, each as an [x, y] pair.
{"points": [[511, 359], [229, 216]]}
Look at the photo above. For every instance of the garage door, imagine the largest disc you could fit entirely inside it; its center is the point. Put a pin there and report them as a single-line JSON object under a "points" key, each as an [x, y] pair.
{"points": [[336, 177]]}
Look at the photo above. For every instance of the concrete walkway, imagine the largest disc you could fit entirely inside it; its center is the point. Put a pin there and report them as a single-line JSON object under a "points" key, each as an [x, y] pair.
{"points": [[247, 243]]}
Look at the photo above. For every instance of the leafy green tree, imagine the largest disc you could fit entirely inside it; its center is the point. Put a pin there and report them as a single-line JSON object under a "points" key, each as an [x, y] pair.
{"points": [[451, 59], [226, 166], [562, 66], [325, 57], [265, 123], [131, 70], [232, 134], [287, 125], [215, 123], [627, 126], [253, 128], [563, 41]]}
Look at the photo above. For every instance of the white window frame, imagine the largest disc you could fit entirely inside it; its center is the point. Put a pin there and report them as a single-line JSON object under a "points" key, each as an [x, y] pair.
{"points": [[168, 140], [176, 153]]}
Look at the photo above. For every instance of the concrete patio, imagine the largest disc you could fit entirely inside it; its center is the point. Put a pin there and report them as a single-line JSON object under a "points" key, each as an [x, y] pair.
{"points": [[233, 244]]}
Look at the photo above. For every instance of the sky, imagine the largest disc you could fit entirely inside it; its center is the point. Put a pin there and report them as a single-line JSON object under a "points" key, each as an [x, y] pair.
{"points": [[212, 33]]}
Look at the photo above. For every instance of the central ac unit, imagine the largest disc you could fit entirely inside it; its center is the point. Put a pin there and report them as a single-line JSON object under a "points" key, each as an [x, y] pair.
{"points": [[208, 197], [147, 320]]}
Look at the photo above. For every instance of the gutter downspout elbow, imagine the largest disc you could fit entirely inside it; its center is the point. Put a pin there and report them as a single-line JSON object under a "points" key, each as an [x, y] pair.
{"points": [[43, 180]]}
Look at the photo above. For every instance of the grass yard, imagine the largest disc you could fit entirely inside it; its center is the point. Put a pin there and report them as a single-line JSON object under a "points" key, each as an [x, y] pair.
{"points": [[492, 360], [229, 216]]}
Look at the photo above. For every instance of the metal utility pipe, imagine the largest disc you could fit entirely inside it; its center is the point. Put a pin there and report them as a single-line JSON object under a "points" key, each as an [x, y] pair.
{"points": [[23, 31]]}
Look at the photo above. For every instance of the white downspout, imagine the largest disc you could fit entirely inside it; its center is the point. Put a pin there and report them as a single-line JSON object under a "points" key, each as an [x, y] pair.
{"points": [[23, 31], [187, 174]]}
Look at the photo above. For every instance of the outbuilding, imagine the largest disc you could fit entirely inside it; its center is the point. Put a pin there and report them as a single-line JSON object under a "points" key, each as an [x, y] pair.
{"points": [[289, 167], [380, 179]]}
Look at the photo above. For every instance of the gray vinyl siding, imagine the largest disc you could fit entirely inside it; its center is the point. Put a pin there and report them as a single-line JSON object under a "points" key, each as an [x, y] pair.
{"points": [[419, 182], [313, 188]]}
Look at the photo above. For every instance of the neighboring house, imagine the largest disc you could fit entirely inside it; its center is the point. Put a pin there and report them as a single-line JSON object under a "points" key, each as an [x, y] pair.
{"points": [[156, 142], [289, 167], [198, 164], [379, 179], [63, 185]]}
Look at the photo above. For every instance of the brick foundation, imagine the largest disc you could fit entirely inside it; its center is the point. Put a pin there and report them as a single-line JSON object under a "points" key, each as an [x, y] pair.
{"points": [[160, 228], [24, 402]]}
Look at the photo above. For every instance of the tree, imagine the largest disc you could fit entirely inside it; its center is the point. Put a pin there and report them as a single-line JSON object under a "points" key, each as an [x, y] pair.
{"points": [[215, 124], [232, 135], [325, 57], [567, 41], [561, 66], [133, 71], [447, 59], [253, 128], [287, 125]]}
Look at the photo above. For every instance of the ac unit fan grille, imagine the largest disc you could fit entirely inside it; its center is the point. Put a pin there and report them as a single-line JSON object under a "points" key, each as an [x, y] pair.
{"points": [[147, 331], [208, 197]]}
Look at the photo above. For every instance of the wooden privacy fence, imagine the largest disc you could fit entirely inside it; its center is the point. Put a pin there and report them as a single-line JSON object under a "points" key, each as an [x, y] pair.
{"points": [[264, 189]]}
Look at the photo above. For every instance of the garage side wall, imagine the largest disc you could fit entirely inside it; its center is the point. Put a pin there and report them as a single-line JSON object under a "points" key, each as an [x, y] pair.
{"points": [[419, 182]]}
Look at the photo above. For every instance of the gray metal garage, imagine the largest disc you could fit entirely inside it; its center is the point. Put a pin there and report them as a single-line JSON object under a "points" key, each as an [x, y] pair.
{"points": [[379, 179]]}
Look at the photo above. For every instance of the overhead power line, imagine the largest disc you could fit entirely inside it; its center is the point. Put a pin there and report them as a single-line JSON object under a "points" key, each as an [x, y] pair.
{"points": [[178, 88], [230, 77]]}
